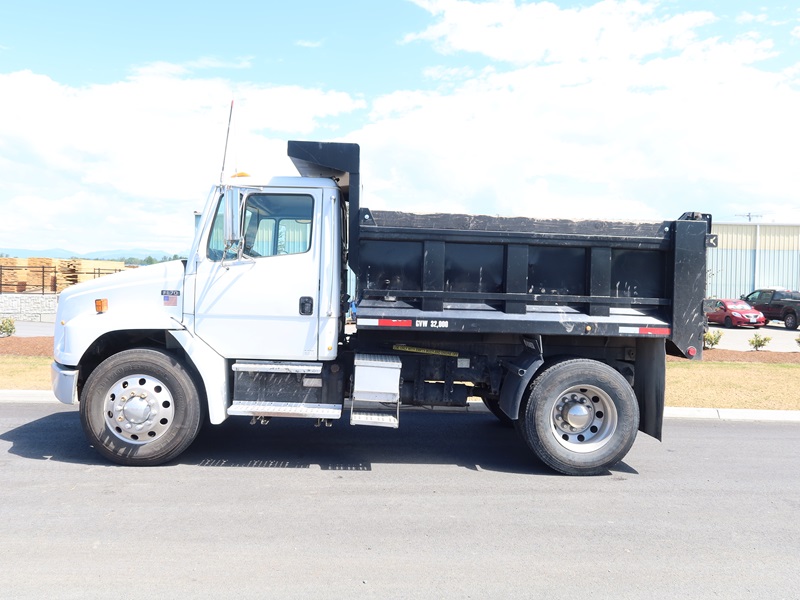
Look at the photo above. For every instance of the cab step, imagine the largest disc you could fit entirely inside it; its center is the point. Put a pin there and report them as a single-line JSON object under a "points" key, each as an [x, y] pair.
{"points": [[285, 409], [373, 418]]}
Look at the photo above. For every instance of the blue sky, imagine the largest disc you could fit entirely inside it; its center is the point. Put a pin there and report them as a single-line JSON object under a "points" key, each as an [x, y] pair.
{"points": [[113, 115]]}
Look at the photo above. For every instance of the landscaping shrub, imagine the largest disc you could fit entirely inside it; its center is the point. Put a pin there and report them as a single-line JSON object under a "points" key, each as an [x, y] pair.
{"points": [[7, 327], [757, 341]]}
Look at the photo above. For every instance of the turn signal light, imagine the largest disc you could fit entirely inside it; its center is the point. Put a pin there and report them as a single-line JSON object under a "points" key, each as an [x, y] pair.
{"points": [[101, 305]]}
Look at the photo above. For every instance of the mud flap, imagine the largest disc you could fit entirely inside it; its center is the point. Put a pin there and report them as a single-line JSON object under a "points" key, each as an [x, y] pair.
{"points": [[520, 371]]}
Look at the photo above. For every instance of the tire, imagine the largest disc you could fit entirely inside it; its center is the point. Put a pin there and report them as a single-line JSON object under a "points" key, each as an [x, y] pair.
{"points": [[790, 321], [141, 407], [579, 417], [728, 322], [493, 404]]}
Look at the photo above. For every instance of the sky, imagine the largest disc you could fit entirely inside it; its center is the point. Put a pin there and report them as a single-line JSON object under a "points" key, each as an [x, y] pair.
{"points": [[113, 115]]}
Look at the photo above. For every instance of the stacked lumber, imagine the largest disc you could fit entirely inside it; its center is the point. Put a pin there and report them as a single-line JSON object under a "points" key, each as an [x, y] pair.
{"points": [[75, 270], [52, 274], [13, 279], [42, 274]]}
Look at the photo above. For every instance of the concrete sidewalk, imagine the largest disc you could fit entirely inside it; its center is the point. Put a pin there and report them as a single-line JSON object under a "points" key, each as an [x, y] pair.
{"points": [[33, 329], [719, 414]]}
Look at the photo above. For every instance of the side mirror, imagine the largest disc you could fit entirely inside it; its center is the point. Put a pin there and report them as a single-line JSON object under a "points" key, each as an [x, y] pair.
{"points": [[233, 225]]}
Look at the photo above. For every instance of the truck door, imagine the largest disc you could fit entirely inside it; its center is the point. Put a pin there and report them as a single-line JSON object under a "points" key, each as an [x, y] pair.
{"points": [[760, 300], [264, 304]]}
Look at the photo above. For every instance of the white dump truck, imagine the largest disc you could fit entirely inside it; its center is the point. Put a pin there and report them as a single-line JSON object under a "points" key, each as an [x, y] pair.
{"points": [[560, 327]]}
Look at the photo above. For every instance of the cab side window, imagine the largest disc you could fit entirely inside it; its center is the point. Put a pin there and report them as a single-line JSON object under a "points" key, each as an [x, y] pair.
{"points": [[277, 224]]}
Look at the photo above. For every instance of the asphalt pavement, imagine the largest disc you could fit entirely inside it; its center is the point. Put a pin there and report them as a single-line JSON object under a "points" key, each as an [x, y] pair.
{"points": [[447, 506]]}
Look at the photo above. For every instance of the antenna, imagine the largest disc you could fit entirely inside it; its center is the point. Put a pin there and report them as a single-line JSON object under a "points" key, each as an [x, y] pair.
{"points": [[750, 216], [225, 154]]}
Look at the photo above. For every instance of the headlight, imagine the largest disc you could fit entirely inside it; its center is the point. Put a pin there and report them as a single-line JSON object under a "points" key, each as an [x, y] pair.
{"points": [[736, 314]]}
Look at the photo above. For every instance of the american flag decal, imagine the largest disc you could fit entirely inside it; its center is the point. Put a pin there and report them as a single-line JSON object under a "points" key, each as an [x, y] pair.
{"points": [[170, 297]]}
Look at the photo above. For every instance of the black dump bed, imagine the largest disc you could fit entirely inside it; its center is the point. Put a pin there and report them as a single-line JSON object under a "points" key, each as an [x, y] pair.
{"points": [[482, 274]]}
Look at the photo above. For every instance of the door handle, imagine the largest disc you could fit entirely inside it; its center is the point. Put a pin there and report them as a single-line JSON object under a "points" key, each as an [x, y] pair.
{"points": [[306, 305]]}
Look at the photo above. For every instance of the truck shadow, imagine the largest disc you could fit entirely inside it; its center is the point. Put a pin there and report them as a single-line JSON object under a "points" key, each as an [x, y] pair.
{"points": [[472, 441], [57, 437]]}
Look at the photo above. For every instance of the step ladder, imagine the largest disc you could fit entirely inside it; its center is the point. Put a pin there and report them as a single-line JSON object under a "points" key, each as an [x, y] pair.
{"points": [[375, 397]]}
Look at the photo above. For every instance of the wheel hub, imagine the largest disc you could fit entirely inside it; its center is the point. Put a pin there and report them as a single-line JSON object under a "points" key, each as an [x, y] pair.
{"points": [[584, 418], [576, 412], [139, 409]]}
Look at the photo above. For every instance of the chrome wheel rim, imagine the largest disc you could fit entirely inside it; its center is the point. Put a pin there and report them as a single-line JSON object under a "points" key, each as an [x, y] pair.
{"points": [[583, 418], [139, 409]]}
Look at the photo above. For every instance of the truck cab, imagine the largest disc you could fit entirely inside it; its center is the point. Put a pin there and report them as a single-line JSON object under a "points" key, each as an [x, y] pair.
{"points": [[258, 300], [269, 294]]}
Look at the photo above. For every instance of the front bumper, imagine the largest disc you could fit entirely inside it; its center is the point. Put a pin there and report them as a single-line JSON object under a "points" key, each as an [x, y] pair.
{"points": [[65, 383], [745, 322]]}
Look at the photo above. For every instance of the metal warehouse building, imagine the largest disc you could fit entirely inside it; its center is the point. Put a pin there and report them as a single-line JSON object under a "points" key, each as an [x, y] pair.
{"points": [[751, 256]]}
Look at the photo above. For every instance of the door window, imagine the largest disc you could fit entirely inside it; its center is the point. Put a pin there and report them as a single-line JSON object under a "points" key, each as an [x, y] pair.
{"points": [[277, 224]]}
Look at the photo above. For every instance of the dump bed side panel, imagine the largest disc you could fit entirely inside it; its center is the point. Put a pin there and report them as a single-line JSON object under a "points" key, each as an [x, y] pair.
{"points": [[499, 275]]}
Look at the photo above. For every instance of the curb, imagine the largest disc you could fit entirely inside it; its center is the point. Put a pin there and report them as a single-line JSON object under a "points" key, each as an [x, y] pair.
{"points": [[670, 412], [27, 396]]}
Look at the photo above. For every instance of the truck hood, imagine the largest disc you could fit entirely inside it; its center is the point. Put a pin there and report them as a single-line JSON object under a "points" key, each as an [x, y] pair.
{"points": [[145, 298]]}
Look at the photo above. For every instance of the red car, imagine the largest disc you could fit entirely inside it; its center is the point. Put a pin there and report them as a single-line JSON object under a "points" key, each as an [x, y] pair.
{"points": [[733, 313]]}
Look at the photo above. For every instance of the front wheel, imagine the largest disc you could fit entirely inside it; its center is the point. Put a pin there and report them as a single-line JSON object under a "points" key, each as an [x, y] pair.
{"points": [[790, 321], [580, 417], [140, 407]]}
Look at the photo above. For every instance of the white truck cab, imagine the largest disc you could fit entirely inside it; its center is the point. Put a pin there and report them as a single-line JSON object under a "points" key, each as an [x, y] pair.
{"points": [[264, 286]]}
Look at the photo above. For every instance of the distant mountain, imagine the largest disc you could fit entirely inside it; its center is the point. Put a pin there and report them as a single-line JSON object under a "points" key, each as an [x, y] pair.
{"points": [[99, 255]]}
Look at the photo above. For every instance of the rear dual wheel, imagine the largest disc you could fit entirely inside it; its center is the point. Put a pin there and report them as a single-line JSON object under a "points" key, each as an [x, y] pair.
{"points": [[579, 417], [140, 407]]}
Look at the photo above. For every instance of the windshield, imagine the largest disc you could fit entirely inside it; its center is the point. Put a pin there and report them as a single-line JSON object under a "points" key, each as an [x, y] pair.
{"points": [[738, 305]]}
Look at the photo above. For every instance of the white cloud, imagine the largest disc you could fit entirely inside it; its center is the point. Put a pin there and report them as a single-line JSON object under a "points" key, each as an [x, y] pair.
{"points": [[607, 111], [615, 110], [747, 17], [541, 31], [796, 32], [309, 43], [147, 148]]}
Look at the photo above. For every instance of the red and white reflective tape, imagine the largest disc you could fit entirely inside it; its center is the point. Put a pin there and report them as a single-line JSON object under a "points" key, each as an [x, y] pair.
{"points": [[384, 322], [646, 330]]}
